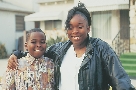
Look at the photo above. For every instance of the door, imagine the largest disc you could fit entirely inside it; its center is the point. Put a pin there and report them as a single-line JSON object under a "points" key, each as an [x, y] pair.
{"points": [[124, 24]]}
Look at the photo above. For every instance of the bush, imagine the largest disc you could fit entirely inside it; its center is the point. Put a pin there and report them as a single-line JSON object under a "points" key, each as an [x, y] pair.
{"points": [[52, 41], [3, 52]]}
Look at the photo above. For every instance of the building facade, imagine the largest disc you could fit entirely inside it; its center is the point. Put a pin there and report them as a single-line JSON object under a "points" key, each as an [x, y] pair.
{"points": [[51, 16], [110, 20], [12, 24]]}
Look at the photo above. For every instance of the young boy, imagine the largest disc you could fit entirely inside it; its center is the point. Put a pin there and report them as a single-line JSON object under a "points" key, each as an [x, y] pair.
{"points": [[35, 72]]}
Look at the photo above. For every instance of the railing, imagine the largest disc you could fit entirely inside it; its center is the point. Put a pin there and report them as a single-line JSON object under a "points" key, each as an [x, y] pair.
{"points": [[121, 45]]}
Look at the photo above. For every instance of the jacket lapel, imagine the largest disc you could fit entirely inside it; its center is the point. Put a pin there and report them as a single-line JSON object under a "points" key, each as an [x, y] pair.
{"points": [[89, 51]]}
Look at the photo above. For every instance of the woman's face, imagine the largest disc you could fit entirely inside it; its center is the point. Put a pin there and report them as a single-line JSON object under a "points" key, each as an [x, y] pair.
{"points": [[78, 30], [36, 45]]}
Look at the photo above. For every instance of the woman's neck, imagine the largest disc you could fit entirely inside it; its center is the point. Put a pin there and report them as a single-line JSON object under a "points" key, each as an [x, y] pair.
{"points": [[79, 50], [78, 47]]}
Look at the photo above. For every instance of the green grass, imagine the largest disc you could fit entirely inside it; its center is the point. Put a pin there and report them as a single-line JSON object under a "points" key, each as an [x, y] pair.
{"points": [[129, 66], [128, 61], [128, 55]]}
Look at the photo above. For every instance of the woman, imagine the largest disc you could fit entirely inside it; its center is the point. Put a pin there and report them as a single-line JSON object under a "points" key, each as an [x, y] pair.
{"points": [[84, 63]]}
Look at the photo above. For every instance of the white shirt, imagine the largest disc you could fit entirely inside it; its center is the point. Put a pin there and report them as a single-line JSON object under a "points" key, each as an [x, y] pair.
{"points": [[69, 70]]}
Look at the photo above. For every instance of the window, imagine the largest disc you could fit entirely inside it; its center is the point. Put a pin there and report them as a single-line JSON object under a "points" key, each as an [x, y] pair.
{"points": [[101, 24], [20, 24], [37, 24], [53, 25]]}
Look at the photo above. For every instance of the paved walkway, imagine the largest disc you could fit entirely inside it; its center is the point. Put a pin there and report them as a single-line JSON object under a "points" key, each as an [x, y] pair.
{"points": [[3, 65]]}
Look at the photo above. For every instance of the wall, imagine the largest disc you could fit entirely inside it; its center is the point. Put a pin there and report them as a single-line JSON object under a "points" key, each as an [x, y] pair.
{"points": [[115, 24], [132, 15], [64, 7], [8, 33], [103, 2], [113, 29], [60, 7], [28, 4]]}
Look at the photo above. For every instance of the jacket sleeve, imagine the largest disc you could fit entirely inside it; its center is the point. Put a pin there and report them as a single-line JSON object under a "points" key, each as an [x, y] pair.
{"points": [[19, 54], [50, 51], [118, 78]]}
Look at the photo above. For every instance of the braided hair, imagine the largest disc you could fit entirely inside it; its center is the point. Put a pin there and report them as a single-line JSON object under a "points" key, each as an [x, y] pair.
{"points": [[33, 30], [80, 9]]}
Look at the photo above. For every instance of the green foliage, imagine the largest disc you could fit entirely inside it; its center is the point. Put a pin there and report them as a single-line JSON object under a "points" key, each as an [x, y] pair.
{"points": [[52, 41], [3, 52]]}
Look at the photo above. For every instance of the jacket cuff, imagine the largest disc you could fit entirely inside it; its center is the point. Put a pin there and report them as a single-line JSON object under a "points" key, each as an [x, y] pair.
{"points": [[19, 54]]}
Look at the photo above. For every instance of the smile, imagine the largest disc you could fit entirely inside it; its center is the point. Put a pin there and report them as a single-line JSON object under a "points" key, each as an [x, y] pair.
{"points": [[37, 50], [76, 37]]}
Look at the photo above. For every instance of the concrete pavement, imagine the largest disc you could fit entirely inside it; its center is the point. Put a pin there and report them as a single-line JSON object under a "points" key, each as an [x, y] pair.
{"points": [[3, 66]]}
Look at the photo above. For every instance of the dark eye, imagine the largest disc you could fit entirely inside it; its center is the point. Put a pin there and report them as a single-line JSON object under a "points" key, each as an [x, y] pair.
{"points": [[42, 41], [80, 27], [33, 42]]}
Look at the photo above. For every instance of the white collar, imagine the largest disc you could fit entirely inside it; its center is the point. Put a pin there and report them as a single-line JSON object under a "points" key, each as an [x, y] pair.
{"points": [[30, 59]]}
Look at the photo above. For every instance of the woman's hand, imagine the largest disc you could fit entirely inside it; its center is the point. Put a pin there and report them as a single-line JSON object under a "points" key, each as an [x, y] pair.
{"points": [[12, 62]]}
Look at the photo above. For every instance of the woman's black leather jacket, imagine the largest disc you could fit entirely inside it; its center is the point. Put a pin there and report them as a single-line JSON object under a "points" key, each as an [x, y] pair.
{"points": [[100, 68]]}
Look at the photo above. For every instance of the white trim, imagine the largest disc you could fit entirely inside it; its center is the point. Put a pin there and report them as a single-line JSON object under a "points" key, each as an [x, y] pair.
{"points": [[41, 16], [46, 1], [10, 7], [104, 2], [108, 7]]}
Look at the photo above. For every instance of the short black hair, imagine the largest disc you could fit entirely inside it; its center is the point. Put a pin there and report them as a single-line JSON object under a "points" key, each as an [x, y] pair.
{"points": [[33, 30], [80, 8]]}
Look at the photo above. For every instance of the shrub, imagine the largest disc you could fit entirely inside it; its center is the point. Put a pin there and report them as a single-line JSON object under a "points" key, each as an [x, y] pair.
{"points": [[52, 41], [3, 52]]}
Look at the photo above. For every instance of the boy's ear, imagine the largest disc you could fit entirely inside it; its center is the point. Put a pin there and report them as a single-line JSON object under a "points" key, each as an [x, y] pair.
{"points": [[26, 46]]}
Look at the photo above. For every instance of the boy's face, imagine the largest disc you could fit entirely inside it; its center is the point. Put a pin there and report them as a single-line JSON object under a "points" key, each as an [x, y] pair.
{"points": [[36, 44]]}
